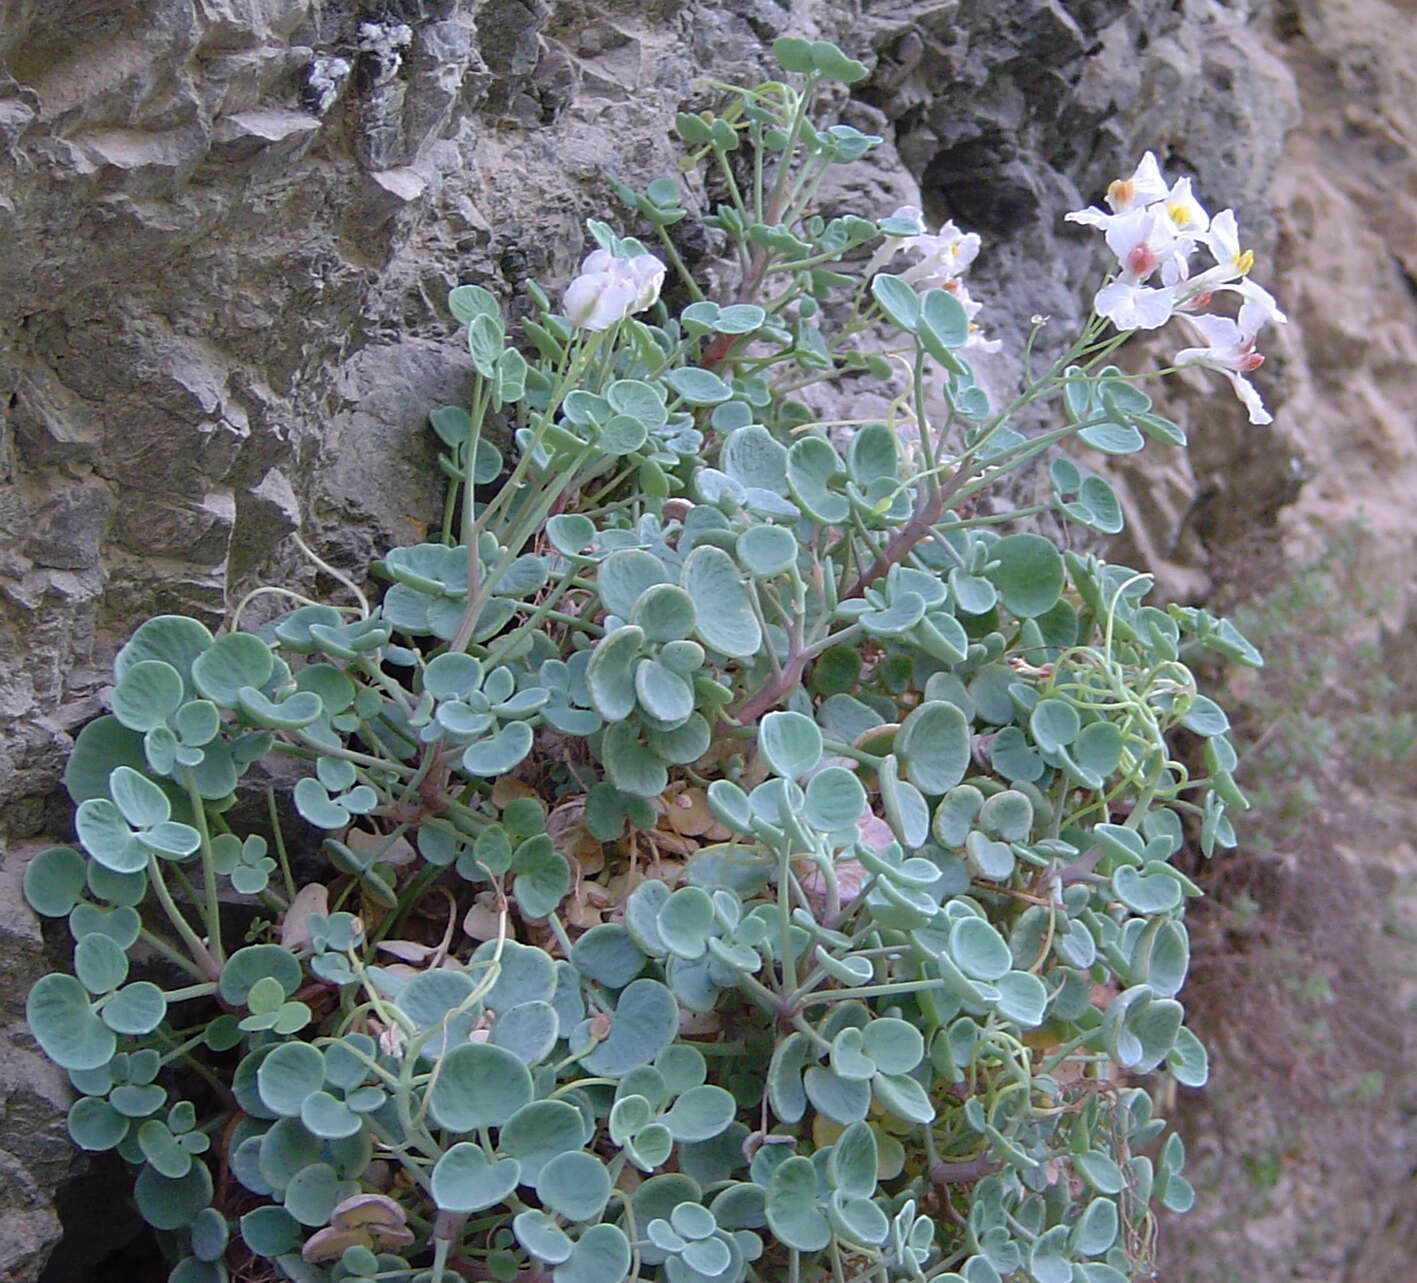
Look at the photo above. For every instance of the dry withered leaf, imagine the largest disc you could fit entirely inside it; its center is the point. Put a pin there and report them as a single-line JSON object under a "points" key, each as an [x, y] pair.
{"points": [[508, 787], [566, 826], [372, 1221], [480, 921], [295, 926], [687, 811], [396, 853]]}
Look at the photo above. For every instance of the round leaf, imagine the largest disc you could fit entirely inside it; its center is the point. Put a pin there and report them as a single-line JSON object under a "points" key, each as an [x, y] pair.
{"points": [[645, 1021], [766, 551], [54, 881], [496, 756], [625, 575], [895, 1046], [897, 300], [1054, 723], [724, 616], [601, 1253], [608, 955], [1029, 575], [64, 1023], [168, 1204], [312, 1193], [331, 1119], [835, 800], [478, 1085], [790, 742], [791, 1208], [248, 965], [99, 963], [979, 950], [700, 1113], [149, 693], [290, 1073], [610, 675], [1022, 998], [933, 745], [542, 1237], [95, 1125], [466, 1180], [665, 612], [664, 694], [135, 1009], [538, 1132], [270, 1231], [529, 1031], [229, 664], [575, 1184], [852, 1165]]}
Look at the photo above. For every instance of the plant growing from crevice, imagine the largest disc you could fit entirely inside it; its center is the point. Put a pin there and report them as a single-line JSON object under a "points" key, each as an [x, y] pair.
{"points": [[744, 858]]}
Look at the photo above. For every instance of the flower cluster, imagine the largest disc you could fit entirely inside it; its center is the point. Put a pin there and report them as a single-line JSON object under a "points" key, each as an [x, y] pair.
{"points": [[944, 258], [1153, 228], [609, 289]]}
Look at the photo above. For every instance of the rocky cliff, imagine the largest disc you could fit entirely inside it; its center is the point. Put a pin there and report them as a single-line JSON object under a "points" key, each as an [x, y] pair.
{"points": [[229, 225]]}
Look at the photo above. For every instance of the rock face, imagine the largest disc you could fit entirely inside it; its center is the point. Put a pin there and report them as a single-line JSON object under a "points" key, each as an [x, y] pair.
{"points": [[229, 226]]}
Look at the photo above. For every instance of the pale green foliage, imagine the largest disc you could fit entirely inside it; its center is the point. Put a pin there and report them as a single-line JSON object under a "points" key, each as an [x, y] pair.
{"points": [[940, 806]]}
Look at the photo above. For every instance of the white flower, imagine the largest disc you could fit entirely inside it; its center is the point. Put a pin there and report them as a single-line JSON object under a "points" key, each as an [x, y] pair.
{"points": [[1223, 240], [1142, 241], [609, 289], [892, 245], [1182, 210], [391, 1041], [1143, 188], [944, 258], [1230, 349], [946, 255], [1263, 301]]}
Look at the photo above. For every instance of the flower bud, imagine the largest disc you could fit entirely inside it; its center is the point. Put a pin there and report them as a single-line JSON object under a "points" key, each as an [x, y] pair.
{"points": [[609, 289]]}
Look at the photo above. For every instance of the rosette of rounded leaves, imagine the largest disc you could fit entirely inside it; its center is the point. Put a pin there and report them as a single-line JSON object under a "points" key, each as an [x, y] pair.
{"points": [[702, 934], [870, 1060], [132, 824], [481, 712], [667, 1103], [696, 1249]]}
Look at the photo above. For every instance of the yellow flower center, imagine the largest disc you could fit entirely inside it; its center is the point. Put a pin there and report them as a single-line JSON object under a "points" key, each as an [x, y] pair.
{"points": [[1179, 213]]}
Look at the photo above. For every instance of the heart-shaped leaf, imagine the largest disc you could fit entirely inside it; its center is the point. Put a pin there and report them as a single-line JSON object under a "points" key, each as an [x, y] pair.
{"points": [[466, 1180], [792, 1210], [63, 1021], [601, 1253], [575, 1184], [478, 1085]]}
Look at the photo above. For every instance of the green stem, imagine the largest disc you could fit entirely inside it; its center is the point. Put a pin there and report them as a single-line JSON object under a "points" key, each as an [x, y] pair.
{"points": [[872, 991], [201, 955], [677, 263], [212, 911], [281, 853], [174, 956], [191, 991]]}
